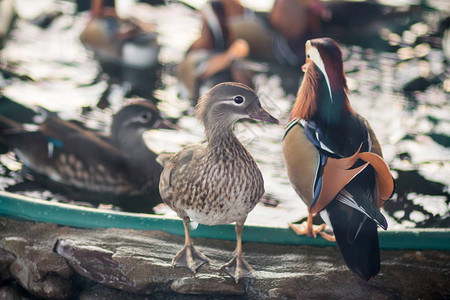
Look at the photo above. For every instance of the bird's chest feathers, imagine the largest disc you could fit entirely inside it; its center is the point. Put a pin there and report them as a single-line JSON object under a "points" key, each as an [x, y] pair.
{"points": [[228, 188], [231, 177]]}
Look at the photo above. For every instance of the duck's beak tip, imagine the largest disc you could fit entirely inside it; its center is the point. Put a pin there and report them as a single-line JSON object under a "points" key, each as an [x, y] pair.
{"points": [[166, 124], [262, 115]]}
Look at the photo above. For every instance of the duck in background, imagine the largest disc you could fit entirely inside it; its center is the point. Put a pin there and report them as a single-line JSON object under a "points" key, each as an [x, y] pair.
{"points": [[275, 40], [215, 56], [279, 36], [126, 49], [119, 165], [17, 112], [218, 182], [216, 16], [334, 160]]}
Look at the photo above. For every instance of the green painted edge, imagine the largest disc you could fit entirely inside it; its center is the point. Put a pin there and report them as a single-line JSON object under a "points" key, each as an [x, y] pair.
{"points": [[26, 208]]}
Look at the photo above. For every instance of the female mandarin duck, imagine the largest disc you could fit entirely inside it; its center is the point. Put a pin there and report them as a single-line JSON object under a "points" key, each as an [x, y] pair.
{"points": [[218, 182], [334, 160], [120, 164]]}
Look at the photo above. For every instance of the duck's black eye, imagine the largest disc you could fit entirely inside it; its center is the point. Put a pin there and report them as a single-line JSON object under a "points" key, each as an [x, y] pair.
{"points": [[308, 56], [238, 99], [145, 116]]}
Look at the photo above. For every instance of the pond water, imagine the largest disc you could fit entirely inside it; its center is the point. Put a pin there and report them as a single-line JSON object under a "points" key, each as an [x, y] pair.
{"points": [[412, 129]]}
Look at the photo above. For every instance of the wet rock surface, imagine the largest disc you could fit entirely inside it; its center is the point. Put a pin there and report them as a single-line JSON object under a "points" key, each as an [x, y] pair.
{"points": [[41, 260]]}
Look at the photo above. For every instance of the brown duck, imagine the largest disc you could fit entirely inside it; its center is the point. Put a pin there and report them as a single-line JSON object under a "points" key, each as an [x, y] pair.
{"points": [[119, 164], [217, 182]]}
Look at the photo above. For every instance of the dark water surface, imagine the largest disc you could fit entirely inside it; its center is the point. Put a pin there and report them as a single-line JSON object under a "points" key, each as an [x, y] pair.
{"points": [[413, 128]]}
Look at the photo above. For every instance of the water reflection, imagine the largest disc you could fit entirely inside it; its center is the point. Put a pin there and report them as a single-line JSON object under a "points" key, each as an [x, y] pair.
{"points": [[399, 89]]}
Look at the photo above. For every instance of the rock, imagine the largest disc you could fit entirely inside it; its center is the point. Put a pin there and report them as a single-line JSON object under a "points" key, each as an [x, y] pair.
{"points": [[207, 284], [12, 293], [40, 271], [136, 264], [125, 267], [94, 263], [6, 258], [102, 292]]}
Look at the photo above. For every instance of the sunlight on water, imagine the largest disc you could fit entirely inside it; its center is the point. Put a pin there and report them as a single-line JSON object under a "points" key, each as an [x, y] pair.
{"points": [[62, 67]]}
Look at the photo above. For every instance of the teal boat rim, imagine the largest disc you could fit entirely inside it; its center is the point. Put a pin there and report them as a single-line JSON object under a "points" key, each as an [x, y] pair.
{"points": [[27, 208]]}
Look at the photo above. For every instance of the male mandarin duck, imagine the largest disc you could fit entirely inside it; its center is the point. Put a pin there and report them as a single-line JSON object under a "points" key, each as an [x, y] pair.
{"points": [[201, 69], [334, 160], [214, 57], [215, 33], [218, 182], [119, 164], [280, 37]]}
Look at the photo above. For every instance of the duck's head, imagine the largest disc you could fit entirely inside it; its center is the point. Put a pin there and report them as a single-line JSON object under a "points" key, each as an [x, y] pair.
{"points": [[229, 102], [326, 55], [135, 118], [324, 87]]}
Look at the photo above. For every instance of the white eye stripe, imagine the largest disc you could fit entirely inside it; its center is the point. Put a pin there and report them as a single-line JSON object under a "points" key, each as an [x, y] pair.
{"points": [[314, 55]]}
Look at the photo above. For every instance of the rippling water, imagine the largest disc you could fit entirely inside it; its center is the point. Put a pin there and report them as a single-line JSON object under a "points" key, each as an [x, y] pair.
{"points": [[413, 133]]}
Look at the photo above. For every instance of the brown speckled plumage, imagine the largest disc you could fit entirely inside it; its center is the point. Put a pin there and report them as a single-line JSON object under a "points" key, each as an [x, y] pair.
{"points": [[217, 182], [213, 184], [120, 164]]}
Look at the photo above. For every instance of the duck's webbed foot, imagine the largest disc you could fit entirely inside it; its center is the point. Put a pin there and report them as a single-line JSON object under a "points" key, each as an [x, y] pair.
{"points": [[190, 258], [307, 228], [238, 268], [328, 237]]}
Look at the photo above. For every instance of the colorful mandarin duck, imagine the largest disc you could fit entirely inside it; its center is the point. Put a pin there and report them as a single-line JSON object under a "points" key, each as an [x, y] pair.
{"points": [[334, 160], [214, 57], [280, 36], [218, 182]]}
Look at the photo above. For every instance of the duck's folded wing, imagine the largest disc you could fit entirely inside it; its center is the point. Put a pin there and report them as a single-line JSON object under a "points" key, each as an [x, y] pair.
{"points": [[334, 176], [177, 168], [338, 173], [385, 181], [363, 205]]}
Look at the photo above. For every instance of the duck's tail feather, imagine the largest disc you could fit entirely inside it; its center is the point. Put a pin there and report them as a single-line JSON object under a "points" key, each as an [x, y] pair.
{"points": [[357, 239], [364, 206], [164, 158]]}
